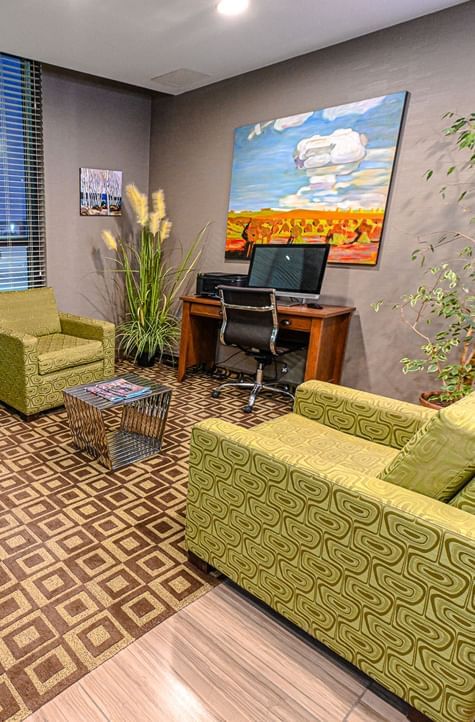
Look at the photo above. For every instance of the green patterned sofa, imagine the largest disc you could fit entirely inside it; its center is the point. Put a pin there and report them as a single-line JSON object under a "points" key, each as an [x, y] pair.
{"points": [[317, 513], [43, 351]]}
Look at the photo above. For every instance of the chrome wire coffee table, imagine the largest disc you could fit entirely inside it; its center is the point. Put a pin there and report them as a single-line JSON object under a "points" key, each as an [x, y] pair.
{"points": [[141, 428]]}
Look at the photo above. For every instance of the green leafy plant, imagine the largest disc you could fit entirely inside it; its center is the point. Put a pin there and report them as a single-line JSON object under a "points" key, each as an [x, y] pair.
{"points": [[152, 283], [441, 311]]}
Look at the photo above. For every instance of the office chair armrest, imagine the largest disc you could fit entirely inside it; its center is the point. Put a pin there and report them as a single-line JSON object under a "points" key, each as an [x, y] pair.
{"points": [[377, 418]]}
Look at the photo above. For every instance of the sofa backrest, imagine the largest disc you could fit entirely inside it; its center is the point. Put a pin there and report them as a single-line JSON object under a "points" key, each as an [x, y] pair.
{"points": [[465, 499], [33, 311], [440, 458]]}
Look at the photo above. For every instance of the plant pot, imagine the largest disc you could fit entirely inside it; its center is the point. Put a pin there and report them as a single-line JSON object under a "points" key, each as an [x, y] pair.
{"points": [[424, 400], [144, 360]]}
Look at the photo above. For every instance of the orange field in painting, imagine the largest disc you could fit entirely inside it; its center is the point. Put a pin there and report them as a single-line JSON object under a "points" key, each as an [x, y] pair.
{"points": [[353, 235]]}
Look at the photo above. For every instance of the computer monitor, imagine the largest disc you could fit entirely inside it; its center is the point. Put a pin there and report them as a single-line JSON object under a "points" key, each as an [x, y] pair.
{"points": [[293, 271]]}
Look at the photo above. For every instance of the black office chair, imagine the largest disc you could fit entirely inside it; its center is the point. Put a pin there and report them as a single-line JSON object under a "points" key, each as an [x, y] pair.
{"points": [[250, 323]]}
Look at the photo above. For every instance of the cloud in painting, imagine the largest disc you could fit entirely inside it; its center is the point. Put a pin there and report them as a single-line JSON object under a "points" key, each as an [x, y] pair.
{"points": [[366, 178], [359, 108], [292, 121], [332, 199], [281, 124], [381, 155], [332, 164], [257, 129], [337, 153]]}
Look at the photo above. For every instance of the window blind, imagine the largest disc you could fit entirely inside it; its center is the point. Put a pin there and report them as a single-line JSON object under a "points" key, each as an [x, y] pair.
{"points": [[22, 237]]}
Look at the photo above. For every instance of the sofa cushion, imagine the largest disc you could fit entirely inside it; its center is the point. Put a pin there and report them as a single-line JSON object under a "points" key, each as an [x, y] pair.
{"points": [[465, 499], [33, 311], [440, 457], [59, 351], [331, 446]]}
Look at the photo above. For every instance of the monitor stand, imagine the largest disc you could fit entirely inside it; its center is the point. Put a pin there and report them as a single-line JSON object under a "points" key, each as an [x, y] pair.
{"points": [[282, 301], [296, 301]]}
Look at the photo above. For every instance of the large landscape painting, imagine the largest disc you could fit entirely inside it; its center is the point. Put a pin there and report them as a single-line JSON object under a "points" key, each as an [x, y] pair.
{"points": [[316, 177]]}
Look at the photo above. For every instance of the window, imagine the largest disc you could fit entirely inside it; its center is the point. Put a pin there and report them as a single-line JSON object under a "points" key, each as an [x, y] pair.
{"points": [[22, 246]]}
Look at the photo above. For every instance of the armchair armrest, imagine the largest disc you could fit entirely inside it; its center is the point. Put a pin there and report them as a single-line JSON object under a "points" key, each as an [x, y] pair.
{"points": [[369, 416], [18, 367], [82, 327], [380, 574], [92, 329]]}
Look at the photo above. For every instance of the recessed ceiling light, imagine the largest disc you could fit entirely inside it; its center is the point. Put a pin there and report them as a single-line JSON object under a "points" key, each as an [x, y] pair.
{"points": [[232, 7]]}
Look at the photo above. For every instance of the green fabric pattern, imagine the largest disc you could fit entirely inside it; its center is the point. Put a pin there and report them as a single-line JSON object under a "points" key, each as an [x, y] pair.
{"points": [[440, 457], [24, 388], [93, 329], [368, 416], [60, 351], [465, 499], [33, 312], [328, 445], [380, 574]]}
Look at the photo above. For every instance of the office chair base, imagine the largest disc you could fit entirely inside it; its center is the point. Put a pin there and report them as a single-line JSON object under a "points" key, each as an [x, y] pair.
{"points": [[255, 388]]}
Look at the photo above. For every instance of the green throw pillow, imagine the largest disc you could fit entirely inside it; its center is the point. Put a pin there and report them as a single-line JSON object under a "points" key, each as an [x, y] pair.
{"points": [[440, 458]]}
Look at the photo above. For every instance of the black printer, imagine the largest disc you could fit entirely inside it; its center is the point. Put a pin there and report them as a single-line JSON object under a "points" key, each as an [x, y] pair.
{"points": [[207, 283]]}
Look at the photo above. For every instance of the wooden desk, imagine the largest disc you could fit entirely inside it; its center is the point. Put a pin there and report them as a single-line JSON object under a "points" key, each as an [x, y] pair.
{"points": [[327, 328]]}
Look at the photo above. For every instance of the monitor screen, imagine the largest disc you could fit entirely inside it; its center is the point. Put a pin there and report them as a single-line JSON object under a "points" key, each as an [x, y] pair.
{"points": [[298, 268]]}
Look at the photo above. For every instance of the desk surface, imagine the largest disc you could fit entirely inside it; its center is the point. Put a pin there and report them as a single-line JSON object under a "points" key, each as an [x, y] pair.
{"points": [[325, 312]]}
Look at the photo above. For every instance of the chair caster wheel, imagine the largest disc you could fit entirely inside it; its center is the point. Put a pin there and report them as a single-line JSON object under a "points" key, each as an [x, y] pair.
{"points": [[247, 409], [215, 394]]}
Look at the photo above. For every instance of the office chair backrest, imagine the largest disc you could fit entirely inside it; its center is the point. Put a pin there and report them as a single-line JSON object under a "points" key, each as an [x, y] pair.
{"points": [[249, 318]]}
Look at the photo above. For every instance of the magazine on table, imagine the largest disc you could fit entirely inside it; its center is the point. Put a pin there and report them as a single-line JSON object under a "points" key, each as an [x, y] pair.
{"points": [[117, 390]]}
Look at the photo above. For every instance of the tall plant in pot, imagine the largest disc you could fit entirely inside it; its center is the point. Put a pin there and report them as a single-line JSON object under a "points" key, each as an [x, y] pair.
{"points": [[152, 281], [441, 310]]}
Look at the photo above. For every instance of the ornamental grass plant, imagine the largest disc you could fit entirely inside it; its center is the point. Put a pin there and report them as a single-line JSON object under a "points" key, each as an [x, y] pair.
{"points": [[152, 281]]}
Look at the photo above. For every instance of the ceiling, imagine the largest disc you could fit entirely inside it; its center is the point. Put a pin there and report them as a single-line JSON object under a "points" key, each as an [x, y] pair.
{"points": [[134, 41]]}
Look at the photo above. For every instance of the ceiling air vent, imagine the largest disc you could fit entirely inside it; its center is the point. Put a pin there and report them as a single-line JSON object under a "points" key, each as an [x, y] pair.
{"points": [[179, 81]]}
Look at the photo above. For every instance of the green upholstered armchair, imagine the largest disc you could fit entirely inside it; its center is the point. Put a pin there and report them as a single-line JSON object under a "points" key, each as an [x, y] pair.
{"points": [[43, 351], [336, 517]]}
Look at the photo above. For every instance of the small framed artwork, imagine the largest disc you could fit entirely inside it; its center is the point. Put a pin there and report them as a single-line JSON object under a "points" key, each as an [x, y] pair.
{"points": [[100, 192], [322, 176]]}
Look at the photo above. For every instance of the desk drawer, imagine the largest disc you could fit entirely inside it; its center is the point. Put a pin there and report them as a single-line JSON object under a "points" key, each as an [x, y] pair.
{"points": [[205, 309], [294, 323]]}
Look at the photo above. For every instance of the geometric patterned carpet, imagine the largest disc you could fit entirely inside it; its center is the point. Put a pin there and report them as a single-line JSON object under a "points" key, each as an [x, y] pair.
{"points": [[91, 559]]}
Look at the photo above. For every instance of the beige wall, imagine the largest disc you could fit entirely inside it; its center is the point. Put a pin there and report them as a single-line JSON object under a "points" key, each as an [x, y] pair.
{"points": [[191, 152], [96, 124]]}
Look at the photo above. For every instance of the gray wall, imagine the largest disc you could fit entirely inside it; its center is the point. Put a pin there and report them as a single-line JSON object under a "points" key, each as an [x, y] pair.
{"points": [[96, 124], [191, 152]]}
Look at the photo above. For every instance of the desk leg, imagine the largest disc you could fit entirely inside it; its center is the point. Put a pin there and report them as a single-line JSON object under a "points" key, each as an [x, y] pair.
{"points": [[184, 342], [197, 342], [314, 349], [343, 325]]}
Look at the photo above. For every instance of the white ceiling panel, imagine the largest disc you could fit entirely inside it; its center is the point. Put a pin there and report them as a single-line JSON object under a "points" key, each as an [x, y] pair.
{"points": [[137, 41]]}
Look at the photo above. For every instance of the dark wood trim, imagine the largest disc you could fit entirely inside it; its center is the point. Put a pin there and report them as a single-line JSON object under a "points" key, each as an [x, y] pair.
{"points": [[415, 716], [29, 417], [199, 563]]}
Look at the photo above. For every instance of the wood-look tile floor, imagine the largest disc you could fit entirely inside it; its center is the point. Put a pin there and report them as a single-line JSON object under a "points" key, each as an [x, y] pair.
{"points": [[222, 658]]}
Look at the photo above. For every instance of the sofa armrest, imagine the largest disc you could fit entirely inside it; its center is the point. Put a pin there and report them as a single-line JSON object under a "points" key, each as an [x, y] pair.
{"points": [[93, 329], [18, 367], [369, 416], [380, 574]]}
